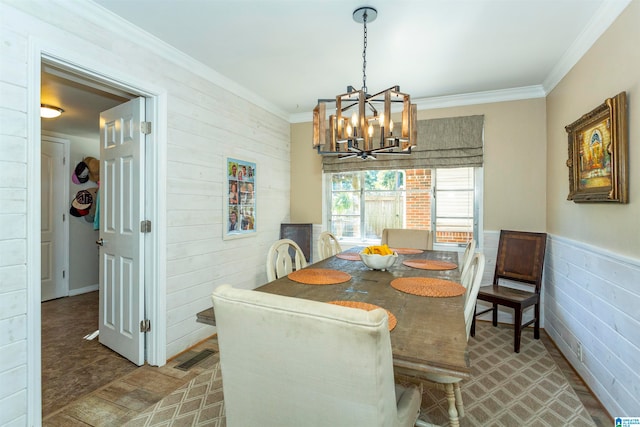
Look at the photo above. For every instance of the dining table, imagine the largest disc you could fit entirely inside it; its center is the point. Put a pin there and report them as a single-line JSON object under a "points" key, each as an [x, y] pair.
{"points": [[429, 335]]}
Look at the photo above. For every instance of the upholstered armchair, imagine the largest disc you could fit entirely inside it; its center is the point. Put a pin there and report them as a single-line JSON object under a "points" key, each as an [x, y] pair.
{"points": [[407, 238], [294, 362]]}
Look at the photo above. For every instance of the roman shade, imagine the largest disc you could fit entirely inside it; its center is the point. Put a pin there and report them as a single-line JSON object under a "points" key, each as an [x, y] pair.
{"points": [[442, 143]]}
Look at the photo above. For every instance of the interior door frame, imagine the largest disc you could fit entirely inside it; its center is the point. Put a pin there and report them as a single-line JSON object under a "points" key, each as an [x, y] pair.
{"points": [[155, 204]]}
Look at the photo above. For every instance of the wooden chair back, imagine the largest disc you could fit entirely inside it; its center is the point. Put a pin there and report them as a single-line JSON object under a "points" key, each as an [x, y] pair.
{"points": [[328, 245], [279, 259]]}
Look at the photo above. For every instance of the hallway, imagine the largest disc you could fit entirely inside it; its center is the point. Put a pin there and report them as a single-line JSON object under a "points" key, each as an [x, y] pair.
{"points": [[72, 366]]}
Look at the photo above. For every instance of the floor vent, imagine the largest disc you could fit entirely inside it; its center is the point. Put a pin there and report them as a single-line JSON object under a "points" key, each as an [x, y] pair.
{"points": [[185, 366]]}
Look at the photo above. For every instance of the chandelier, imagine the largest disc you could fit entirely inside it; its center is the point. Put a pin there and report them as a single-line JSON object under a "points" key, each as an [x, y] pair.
{"points": [[362, 125]]}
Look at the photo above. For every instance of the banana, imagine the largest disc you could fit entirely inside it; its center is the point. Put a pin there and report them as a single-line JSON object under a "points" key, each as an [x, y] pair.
{"points": [[378, 250]]}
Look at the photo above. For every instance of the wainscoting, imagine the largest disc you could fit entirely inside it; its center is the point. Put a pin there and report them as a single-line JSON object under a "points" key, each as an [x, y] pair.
{"points": [[592, 300]]}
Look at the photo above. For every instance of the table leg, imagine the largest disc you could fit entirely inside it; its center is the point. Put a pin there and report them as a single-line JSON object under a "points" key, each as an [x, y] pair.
{"points": [[453, 412], [458, 393]]}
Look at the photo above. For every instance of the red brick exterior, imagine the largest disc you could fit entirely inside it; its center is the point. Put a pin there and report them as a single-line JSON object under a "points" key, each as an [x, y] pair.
{"points": [[418, 215]]}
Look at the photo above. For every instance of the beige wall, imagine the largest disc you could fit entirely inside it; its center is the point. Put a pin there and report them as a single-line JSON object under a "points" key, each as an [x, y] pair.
{"points": [[306, 177], [514, 172], [611, 66]]}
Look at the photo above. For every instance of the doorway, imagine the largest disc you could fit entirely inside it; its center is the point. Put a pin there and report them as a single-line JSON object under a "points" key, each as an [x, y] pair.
{"points": [[154, 273]]}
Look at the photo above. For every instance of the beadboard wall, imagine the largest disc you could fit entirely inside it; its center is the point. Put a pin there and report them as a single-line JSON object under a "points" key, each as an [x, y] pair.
{"points": [[206, 123], [592, 302]]}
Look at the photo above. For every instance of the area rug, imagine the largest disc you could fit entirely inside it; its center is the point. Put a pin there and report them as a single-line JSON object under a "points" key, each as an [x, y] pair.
{"points": [[507, 389], [510, 389], [197, 403]]}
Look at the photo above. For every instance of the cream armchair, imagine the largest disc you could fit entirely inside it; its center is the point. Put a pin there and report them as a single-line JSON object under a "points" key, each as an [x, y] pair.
{"points": [[294, 362], [407, 238]]}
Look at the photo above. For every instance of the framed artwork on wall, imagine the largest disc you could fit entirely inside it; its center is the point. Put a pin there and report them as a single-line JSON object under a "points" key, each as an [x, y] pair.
{"points": [[598, 154], [239, 199]]}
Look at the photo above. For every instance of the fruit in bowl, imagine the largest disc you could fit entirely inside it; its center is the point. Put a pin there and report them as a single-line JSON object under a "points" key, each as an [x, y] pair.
{"points": [[378, 257]]}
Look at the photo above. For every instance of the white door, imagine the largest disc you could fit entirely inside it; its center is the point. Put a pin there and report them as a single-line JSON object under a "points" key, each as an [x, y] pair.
{"points": [[121, 212], [53, 214]]}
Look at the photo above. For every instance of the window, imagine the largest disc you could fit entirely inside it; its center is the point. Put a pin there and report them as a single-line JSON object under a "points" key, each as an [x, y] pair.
{"points": [[363, 203], [453, 205]]}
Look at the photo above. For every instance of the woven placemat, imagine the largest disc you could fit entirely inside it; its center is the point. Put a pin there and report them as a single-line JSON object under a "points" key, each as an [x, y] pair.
{"points": [[429, 264], [366, 306], [319, 276], [428, 287], [407, 251], [349, 256]]}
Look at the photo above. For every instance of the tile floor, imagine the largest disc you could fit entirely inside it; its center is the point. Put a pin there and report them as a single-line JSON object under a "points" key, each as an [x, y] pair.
{"points": [[86, 384]]}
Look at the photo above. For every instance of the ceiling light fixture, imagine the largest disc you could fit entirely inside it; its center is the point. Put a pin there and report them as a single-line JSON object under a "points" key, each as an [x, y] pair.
{"points": [[49, 111], [361, 125]]}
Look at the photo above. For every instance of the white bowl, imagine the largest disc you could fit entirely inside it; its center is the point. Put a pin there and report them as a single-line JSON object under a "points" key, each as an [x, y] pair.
{"points": [[378, 262]]}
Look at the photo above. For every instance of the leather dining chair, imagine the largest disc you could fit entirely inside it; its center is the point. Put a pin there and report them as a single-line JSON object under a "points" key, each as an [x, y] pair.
{"points": [[328, 245], [407, 238], [280, 261], [290, 362], [520, 260]]}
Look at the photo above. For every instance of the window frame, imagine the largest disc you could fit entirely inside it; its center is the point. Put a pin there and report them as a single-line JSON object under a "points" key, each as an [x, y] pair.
{"points": [[478, 209]]}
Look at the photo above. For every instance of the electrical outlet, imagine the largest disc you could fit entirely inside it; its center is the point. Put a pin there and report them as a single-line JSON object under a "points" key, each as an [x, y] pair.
{"points": [[579, 352]]}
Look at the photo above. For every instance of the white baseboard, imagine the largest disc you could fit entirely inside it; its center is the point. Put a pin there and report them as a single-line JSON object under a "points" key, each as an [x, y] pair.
{"points": [[80, 291]]}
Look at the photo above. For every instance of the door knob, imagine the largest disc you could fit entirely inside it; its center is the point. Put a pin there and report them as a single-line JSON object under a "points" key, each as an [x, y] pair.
{"points": [[100, 242]]}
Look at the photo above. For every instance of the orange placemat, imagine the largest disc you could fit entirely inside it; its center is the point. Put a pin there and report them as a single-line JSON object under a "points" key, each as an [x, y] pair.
{"points": [[366, 306], [429, 264], [319, 276], [428, 287], [407, 251], [349, 256]]}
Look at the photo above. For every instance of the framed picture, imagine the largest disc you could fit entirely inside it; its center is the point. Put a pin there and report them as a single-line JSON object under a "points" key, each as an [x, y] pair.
{"points": [[239, 199], [598, 154]]}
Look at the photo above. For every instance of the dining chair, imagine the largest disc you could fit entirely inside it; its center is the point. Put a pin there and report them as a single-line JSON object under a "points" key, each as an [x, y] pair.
{"points": [[407, 238], [284, 256], [451, 385], [520, 260], [328, 245], [295, 362], [466, 260]]}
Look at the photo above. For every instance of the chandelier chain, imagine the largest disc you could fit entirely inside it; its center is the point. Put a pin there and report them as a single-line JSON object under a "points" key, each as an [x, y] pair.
{"points": [[364, 55]]}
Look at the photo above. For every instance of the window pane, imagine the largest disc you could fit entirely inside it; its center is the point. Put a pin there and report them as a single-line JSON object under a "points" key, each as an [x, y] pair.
{"points": [[345, 181], [454, 204], [454, 225], [383, 180], [454, 179], [345, 203], [383, 209], [345, 226]]}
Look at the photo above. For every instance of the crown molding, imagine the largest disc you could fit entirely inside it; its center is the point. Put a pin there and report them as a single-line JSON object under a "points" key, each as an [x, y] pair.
{"points": [[591, 32], [486, 97], [96, 13], [607, 14], [503, 95]]}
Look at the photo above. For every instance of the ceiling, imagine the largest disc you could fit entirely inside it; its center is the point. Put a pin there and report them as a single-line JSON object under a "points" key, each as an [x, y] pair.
{"points": [[289, 53]]}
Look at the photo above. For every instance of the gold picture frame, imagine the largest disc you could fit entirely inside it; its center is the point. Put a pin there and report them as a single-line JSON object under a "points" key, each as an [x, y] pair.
{"points": [[598, 154]]}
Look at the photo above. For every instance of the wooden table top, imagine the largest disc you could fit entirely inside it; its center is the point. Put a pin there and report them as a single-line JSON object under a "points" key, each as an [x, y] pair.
{"points": [[430, 335]]}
